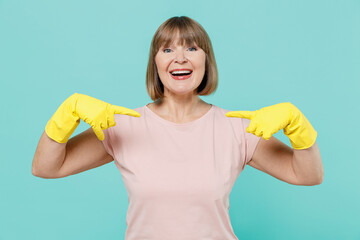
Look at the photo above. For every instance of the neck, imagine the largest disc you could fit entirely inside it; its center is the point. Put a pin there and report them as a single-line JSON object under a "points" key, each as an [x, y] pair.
{"points": [[180, 108]]}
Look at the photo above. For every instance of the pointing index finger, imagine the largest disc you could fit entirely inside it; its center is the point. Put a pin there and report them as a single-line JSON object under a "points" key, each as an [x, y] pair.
{"points": [[124, 111], [240, 114]]}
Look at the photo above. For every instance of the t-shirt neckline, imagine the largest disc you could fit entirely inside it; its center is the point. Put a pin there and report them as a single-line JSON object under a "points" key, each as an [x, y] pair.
{"points": [[153, 114]]}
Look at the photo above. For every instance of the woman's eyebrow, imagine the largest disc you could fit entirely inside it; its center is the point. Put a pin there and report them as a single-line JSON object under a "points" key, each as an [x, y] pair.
{"points": [[164, 45]]}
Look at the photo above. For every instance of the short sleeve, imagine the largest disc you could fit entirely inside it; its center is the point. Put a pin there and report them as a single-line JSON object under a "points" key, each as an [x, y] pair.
{"points": [[251, 141], [107, 141]]}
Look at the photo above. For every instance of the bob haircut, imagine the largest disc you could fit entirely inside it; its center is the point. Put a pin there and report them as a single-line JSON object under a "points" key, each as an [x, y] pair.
{"points": [[190, 32]]}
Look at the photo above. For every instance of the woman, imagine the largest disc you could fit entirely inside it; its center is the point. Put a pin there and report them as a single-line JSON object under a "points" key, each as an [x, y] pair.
{"points": [[179, 156]]}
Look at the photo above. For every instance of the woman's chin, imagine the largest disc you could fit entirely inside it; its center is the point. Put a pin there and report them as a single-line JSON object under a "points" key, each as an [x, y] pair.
{"points": [[180, 91]]}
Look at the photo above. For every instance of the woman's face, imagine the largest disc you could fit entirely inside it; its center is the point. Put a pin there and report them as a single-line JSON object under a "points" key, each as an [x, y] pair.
{"points": [[180, 68]]}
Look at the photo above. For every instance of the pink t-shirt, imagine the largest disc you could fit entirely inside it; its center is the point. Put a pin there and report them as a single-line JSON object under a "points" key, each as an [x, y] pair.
{"points": [[179, 176]]}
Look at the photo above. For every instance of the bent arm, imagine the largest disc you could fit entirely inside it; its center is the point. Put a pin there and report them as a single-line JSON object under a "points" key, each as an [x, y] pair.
{"points": [[308, 166], [49, 157], [297, 167], [82, 152]]}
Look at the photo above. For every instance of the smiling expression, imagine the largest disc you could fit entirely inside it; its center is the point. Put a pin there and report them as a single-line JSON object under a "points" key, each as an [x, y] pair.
{"points": [[181, 68]]}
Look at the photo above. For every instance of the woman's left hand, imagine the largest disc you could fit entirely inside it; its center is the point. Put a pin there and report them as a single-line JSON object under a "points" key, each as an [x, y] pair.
{"points": [[268, 120]]}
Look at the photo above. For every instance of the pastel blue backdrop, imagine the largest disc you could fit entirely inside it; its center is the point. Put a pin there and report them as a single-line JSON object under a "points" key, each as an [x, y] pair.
{"points": [[305, 52]]}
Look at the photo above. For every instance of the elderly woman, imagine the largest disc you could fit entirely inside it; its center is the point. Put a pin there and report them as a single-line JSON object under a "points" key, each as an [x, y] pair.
{"points": [[179, 156]]}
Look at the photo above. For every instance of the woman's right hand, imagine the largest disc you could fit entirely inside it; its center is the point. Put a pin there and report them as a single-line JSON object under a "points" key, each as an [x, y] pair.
{"points": [[98, 114]]}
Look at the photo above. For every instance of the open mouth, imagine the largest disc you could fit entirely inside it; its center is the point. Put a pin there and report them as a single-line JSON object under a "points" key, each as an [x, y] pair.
{"points": [[178, 73], [181, 74]]}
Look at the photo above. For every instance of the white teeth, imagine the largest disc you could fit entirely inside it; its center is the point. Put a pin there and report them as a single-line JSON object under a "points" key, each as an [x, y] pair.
{"points": [[180, 72]]}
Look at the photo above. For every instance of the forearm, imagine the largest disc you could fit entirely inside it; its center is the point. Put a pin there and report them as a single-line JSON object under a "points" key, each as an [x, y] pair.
{"points": [[49, 157], [308, 166]]}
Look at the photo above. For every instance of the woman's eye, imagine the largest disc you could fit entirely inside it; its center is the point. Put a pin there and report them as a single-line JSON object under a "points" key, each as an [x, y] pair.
{"points": [[167, 50], [192, 48]]}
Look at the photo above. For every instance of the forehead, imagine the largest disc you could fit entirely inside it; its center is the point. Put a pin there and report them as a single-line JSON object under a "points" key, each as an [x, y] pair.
{"points": [[176, 37]]}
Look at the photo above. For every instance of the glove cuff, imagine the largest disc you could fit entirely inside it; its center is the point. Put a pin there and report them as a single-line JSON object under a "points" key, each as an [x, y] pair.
{"points": [[64, 121], [301, 133]]}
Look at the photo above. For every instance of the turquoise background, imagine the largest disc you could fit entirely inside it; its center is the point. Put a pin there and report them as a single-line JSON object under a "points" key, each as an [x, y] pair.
{"points": [[305, 52]]}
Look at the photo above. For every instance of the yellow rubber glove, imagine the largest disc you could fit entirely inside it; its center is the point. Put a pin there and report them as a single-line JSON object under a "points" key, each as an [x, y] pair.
{"points": [[268, 120], [98, 114]]}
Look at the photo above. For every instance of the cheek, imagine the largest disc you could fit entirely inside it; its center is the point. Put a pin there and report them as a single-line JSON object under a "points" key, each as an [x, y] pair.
{"points": [[199, 59], [161, 64], [200, 62]]}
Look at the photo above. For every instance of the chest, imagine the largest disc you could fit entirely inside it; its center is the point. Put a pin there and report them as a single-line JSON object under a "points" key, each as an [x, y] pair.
{"points": [[178, 163]]}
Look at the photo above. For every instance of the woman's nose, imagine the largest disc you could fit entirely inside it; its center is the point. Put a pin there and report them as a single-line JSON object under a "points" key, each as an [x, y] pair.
{"points": [[180, 57]]}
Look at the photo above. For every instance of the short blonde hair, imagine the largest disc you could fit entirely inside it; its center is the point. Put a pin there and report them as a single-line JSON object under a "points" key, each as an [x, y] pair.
{"points": [[190, 32]]}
